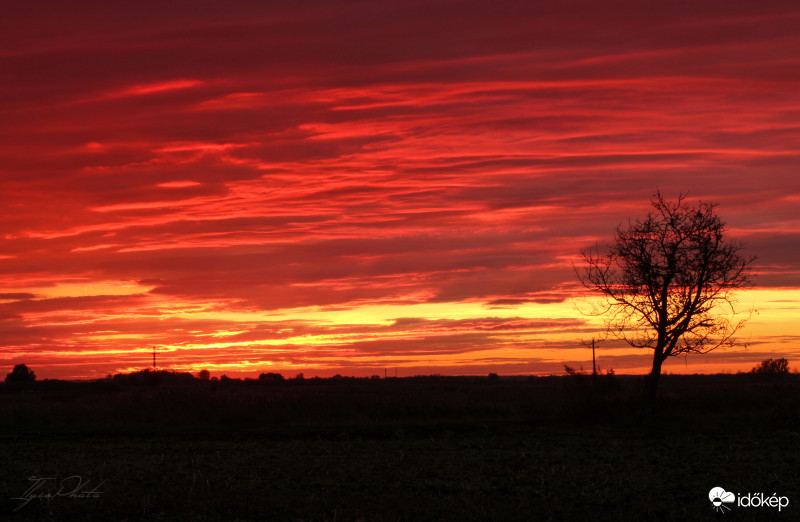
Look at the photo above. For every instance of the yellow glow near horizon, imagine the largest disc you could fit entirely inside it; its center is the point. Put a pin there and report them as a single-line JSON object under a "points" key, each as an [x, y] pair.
{"points": [[776, 313], [385, 314], [334, 343]]}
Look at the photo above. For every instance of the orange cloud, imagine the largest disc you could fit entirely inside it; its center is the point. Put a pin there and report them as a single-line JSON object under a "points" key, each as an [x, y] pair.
{"points": [[341, 189]]}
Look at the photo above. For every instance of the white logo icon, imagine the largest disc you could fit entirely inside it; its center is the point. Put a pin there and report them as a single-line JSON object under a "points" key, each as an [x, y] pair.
{"points": [[719, 497]]}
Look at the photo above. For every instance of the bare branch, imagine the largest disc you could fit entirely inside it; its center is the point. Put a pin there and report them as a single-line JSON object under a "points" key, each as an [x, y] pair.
{"points": [[667, 281]]}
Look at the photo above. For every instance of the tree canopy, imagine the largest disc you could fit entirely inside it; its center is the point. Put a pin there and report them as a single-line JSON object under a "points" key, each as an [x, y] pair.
{"points": [[20, 374], [666, 282]]}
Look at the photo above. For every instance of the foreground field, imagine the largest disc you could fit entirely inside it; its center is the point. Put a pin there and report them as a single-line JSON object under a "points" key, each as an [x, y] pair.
{"points": [[415, 449]]}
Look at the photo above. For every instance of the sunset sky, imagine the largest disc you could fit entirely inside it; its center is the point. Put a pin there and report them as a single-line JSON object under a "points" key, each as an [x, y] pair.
{"points": [[347, 187]]}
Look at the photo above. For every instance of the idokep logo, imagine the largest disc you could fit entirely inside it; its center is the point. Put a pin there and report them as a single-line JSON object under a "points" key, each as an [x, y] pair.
{"points": [[719, 497]]}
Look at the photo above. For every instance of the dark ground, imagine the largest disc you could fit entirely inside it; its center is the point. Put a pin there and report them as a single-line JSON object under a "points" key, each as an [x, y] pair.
{"points": [[434, 448]]}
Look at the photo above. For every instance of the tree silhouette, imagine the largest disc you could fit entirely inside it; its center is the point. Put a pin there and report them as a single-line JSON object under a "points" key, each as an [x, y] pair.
{"points": [[270, 377], [666, 282], [21, 374], [772, 367]]}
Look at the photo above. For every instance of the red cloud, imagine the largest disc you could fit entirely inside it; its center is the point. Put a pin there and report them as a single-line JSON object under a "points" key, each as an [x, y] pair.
{"points": [[353, 157]]}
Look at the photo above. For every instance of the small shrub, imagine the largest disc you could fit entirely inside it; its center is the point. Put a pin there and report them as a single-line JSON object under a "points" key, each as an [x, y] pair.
{"points": [[21, 374], [772, 367], [572, 371], [270, 377]]}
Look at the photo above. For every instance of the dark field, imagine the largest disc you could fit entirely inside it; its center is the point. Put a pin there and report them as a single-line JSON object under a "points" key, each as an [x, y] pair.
{"points": [[434, 448]]}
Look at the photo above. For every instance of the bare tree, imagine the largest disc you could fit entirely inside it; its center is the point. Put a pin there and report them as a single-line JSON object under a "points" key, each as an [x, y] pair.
{"points": [[666, 282]]}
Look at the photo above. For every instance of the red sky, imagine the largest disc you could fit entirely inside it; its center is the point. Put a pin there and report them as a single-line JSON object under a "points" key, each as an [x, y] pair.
{"points": [[343, 187]]}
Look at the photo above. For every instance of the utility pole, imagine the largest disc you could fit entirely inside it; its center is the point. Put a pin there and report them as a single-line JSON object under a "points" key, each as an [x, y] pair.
{"points": [[594, 365], [154, 358]]}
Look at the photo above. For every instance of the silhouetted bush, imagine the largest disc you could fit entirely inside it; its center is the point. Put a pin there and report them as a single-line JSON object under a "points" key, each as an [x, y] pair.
{"points": [[204, 375], [270, 377], [772, 367], [227, 382], [149, 376], [21, 374]]}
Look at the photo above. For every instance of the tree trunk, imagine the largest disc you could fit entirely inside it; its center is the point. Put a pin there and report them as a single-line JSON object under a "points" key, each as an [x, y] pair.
{"points": [[651, 381]]}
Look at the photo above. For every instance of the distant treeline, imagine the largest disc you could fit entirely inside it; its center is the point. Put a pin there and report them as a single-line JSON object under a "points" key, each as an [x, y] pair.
{"points": [[24, 377], [149, 376], [169, 377]]}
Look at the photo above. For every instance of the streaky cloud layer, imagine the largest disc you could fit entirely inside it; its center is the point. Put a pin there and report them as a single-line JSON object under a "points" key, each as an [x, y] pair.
{"points": [[342, 188]]}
